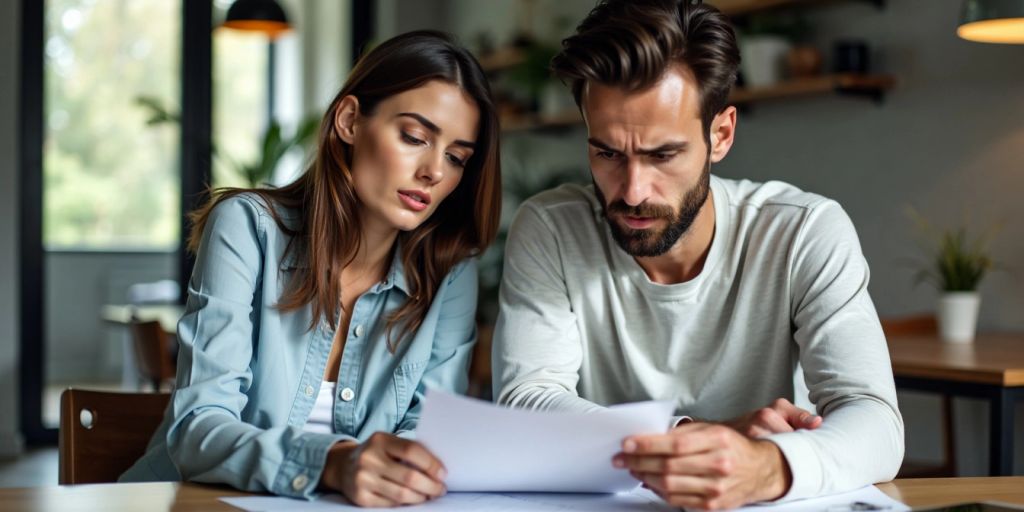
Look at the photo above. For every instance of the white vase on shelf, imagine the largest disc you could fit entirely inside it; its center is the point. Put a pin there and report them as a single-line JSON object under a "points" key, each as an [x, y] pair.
{"points": [[762, 58], [958, 316]]}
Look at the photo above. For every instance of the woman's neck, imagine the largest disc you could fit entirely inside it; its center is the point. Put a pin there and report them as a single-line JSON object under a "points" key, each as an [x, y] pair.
{"points": [[374, 248]]}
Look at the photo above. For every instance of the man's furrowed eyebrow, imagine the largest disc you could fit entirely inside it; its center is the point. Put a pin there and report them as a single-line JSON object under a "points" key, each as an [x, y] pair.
{"points": [[668, 147], [428, 124], [601, 145]]}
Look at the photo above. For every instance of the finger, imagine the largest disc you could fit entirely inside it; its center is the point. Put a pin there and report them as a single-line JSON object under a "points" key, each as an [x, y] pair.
{"points": [[415, 454], [693, 501], [795, 416], [413, 478], [680, 484], [705, 464], [771, 420], [680, 441], [813, 421], [397, 493], [364, 495]]}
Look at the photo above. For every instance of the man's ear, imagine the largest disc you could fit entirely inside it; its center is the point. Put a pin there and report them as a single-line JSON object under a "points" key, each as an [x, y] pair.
{"points": [[723, 133], [345, 118]]}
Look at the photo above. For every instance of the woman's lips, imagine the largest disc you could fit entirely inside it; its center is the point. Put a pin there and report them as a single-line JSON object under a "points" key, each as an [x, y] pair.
{"points": [[412, 201]]}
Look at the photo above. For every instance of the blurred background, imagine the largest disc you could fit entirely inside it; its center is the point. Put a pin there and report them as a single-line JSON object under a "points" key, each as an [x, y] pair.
{"points": [[116, 113]]}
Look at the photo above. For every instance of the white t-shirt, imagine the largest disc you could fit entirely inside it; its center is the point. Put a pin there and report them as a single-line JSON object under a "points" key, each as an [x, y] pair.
{"points": [[321, 418], [784, 286]]}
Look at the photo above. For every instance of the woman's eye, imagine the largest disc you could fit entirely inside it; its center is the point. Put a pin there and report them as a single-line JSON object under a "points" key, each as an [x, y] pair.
{"points": [[412, 140], [456, 161]]}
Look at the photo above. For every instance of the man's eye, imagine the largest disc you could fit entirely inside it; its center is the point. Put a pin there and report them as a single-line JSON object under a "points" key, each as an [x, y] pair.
{"points": [[607, 155], [412, 140], [663, 157]]}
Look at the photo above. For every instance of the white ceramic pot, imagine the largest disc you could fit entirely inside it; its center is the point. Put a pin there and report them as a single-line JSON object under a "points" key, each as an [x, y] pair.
{"points": [[958, 316], [762, 59]]}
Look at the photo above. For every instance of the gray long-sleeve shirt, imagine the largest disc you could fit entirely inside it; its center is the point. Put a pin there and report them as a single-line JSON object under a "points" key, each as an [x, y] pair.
{"points": [[781, 302]]}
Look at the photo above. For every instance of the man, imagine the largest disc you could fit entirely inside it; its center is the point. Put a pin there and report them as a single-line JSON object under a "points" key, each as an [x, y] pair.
{"points": [[661, 281]]}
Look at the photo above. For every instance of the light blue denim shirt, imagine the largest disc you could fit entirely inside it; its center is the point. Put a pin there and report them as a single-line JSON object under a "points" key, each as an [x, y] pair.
{"points": [[248, 374]]}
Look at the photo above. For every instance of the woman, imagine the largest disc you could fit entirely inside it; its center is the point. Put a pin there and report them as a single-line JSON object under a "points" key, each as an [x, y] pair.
{"points": [[319, 312]]}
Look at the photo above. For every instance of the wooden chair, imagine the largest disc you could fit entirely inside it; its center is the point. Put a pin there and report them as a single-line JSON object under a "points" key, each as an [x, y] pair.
{"points": [[153, 353], [480, 363], [103, 433], [926, 325]]}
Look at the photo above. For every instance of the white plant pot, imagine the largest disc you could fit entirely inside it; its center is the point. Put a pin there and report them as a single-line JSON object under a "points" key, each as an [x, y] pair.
{"points": [[762, 59], [958, 316]]}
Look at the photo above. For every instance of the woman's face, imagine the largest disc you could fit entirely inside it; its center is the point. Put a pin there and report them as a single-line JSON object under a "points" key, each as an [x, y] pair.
{"points": [[410, 154]]}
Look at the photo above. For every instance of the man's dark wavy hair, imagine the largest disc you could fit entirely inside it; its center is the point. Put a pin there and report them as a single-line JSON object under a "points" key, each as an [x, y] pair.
{"points": [[632, 43]]}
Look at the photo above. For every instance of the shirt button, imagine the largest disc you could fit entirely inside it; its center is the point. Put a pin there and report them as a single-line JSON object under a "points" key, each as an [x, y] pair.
{"points": [[309, 390], [347, 394], [300, 482], [359, 330]]}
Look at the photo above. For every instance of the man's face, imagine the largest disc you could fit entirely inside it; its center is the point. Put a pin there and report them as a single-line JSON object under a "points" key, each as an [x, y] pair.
{"points": [[649, 160]]}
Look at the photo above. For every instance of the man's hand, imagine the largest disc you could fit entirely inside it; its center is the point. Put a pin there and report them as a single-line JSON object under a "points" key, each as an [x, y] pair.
{"points": [[384, 471], [781, 416], [706, 466]]}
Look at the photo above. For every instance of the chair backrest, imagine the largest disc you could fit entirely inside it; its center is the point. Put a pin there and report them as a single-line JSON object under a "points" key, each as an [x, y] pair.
{"points": [[103, 433], [152, 352]]}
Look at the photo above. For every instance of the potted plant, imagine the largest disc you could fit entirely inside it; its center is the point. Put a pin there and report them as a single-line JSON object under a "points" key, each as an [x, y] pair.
{"points": [[956, 267], [273, 145], [766, 43]]}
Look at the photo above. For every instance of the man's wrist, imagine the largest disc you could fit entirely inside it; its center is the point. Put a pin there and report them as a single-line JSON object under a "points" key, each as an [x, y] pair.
{"points": [[776, 477]]}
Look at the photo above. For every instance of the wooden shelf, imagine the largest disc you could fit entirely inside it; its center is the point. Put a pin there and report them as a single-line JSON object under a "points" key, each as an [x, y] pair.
{"points": [[873, 86], [501, 59], [742, 7], [565, 119]]}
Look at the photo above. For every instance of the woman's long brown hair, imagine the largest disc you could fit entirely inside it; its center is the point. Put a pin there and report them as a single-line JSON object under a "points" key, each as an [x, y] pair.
{"points": [[328, 235]]}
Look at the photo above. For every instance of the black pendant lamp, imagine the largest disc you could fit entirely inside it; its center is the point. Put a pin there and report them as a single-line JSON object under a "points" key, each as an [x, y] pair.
{"points": [[264, 16], [992, 21]]}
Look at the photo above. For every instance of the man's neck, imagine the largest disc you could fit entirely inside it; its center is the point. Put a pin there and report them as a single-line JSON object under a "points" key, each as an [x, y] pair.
{"points": [[685, 260]]}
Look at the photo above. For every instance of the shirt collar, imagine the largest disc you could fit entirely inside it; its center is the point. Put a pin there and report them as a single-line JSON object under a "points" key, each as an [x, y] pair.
{"points": [[395, 277]]}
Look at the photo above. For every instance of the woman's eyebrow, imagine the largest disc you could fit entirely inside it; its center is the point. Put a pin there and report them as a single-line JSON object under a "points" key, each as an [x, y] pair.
{"points": [[428, 124]]}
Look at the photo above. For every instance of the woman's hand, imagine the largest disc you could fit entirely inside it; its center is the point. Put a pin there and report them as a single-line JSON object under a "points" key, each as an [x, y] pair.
{"points": [[384, 471]]}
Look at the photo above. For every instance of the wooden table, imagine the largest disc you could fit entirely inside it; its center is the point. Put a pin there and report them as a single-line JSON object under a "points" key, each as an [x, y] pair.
{"points": [[992, 367], [164, 496]]}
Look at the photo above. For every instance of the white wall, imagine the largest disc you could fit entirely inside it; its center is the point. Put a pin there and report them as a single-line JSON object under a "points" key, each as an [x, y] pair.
{"points": [[949, 141], [10, 438]]}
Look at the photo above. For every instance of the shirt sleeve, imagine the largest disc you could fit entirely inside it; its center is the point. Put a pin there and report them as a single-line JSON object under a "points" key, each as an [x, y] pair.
{"points": [[537, 350], [846, 364], [207, 439], [454, 337]]}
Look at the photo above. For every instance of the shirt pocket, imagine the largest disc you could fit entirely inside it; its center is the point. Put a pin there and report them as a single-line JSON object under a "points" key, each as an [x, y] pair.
{"points": [[407, 379]]}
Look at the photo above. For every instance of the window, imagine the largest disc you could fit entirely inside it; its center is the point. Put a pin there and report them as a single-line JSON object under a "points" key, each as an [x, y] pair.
{"points": [[240, 102], [111, 181]]}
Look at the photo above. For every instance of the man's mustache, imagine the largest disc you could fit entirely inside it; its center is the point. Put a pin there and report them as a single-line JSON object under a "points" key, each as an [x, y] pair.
{"points": [[641, 210]]}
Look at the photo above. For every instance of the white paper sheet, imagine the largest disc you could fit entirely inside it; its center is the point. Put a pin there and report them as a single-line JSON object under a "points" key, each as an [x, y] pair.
{"points": [[635, 501], [865, 499], [486, 448], [638, 500]]}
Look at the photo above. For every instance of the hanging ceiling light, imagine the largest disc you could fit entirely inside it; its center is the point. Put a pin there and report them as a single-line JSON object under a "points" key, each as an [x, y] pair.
{"points": [[264, 16], [992, 21]]}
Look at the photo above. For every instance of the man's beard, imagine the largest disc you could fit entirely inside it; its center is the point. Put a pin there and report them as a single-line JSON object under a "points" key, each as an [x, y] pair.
{"points": [[650, 242]]}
